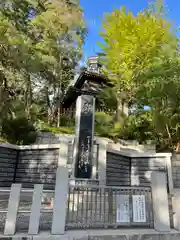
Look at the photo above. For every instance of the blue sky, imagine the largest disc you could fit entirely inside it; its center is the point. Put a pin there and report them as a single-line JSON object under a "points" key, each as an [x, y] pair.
{"points": [[94, 10]]}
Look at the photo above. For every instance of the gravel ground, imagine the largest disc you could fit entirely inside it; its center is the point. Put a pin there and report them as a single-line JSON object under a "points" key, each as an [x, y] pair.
{"points": [[22, 223]]}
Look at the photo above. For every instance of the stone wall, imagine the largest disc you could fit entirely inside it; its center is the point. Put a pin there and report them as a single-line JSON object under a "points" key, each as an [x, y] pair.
{"points": [[8, 157], [117, 170], [28, 165], [50, 138], [142, 168], [176, 169], [123, 145], [134, 170], [129, 146], [35, 166]]}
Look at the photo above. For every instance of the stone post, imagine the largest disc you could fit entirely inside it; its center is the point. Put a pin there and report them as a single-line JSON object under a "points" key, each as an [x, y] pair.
{"points": [[10, 224], [102, 160], [160, 202], [35, 209], [63, 154], [169, 172], [176, 209], [60, 202]]}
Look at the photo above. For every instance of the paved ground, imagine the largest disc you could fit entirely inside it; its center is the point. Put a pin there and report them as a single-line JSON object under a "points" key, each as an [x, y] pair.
{"points": [[126, 234]]}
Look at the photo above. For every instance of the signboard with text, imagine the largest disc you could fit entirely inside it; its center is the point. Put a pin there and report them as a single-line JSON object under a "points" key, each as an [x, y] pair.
{"points": [[139, 208], [122, 212]]}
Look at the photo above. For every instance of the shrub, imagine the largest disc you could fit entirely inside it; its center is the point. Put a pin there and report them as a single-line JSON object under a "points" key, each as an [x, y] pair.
{"points": [[64, 130], [115, 130], [103, 123], [19, 131], [67, 121], [137, 127], [3, 140]]}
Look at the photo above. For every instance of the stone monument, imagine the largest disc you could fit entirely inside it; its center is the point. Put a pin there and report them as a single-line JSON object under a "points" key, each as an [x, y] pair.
{"points": [[83, 90]]}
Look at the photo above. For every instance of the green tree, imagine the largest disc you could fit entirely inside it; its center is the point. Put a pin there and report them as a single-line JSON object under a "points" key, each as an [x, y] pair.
{"points": [[160, 87], [35, 37], [133, 44]]}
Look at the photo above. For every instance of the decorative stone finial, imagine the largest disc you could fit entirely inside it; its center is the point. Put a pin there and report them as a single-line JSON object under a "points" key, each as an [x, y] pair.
{"points": [[93, 64]]}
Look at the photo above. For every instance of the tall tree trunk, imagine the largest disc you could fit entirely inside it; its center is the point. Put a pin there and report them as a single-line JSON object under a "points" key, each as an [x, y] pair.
{"points": [[5, 94], [1, 108], [49, 112], [28, 95], [169, 135], [122, 108], [59, 108], [59, 95]]}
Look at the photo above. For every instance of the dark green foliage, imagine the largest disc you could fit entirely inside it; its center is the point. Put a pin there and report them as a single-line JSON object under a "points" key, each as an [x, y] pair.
{"points": [[138, 127], [19, 131], [3, 140], [142, 60], [67, 120], [60, 130], [103, 123], [41, 43]]}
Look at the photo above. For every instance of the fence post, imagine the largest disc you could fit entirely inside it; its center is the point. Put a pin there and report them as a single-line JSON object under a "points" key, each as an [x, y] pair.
{"points": [[35, 209], [10, 224], [160, 202], [60, 201]]}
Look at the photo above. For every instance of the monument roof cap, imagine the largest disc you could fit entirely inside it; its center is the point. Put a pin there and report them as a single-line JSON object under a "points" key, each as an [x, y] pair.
{"points": [[71, 93]]}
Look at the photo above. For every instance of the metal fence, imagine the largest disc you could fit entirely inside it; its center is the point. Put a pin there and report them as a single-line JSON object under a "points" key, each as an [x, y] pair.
{"points": [[88, 206], [107, 207]]}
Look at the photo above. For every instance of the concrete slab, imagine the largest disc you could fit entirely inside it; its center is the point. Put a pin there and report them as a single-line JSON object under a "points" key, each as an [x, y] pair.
{"points": [[60, 237], [16, 238], [118, 234]]}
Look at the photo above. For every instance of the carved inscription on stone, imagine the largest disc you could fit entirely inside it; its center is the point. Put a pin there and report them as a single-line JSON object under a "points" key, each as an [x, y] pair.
{"points": [[84, 137]]}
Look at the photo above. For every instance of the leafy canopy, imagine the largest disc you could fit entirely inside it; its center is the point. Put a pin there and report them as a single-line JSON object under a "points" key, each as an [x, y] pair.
{"points": [[133, 43], [35, 37]]}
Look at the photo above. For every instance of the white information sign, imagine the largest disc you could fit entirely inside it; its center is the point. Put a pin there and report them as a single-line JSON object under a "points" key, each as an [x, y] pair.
{"points": [[122, 213], [139, 208]]}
